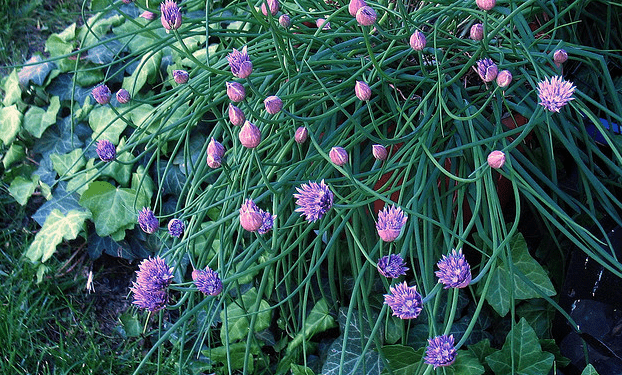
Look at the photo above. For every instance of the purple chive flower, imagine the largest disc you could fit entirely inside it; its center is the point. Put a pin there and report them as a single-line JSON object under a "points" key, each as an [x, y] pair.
{"points": [[380, 152], [405, 301], [555, 94], [362, 91], [250, 135], [321, 23], [440, 351], [313, 200], [417, 41], [250, 216], [207, 281], [148, 15], [235, 91], [147, 221], [127, 1], [392, 266], [339, 156], [391, 220], [176, 228], [453, 270], [171, 15], [180, 76], [236, 116], [560, 56], [215, 148], [101, 94], [496, 159], [366, 16], [355, 5], [152, 279], [477, 32], [301, 135], [240, 63], [486, 4], [273, 6], [273, 104], [267, 222], [285, 21], [213, 161], [504, 78], [123, 96], [487, 69], [106, 150]]}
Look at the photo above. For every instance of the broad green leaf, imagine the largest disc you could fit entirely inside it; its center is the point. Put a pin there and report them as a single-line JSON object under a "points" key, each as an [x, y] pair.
{"points": [[319, 320], [300, 370], [36, 119], [35, 73], [12, 91], [13, 155], [105, 124], [121, 168], [466, 364], [235, 354], [481, 350], [63, 43], [403, 360], [236, 321], [112, 208], [142, 183], [56, 228], [131, 324], [145, 72], [10, 121], [21, 189], [589, 370], [69, 163], [80, 182], [521, 353], [137, 41], [89, 76], [98, 26]]}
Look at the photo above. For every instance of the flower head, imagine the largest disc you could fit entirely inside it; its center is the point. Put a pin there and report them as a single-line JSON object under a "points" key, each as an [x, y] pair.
{"points": [[240, 63], [101, 94], [250, 216], [477, 32], [392, 266], [380, 152], [339, 156], [273, 104], [285, 21], [268, 222], [147, 221], [355, 5], [487, 69], [106, 150], [152, 279], [313, 200], [273, 6], [301, 135], [362, 91], [180, 76], [560, 56], [235, 91], [366, 16], [486, 4], [214, 161], [405, 301], [236, 116], [215, 148], [123, 96], [453, 270], [171, 15], [555, 94], [391, 220], [250, 135], [496, 159], [176, 228], [321, 23], [440, 351], [504, 78], [152, 300], [207, 281], [417, 41]]}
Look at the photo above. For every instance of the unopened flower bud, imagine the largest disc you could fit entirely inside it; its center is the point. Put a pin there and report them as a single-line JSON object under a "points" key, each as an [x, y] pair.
{"points": [[366, 16], [148, 15], [321, 23], [284, 21], [127, 1], [176, 228], [355, 5], [215, 148], [180, 76], [477, 32], [496, 159], [236, 116], [504, 78], [380, 152], [250, 216], [240, 63], [106, 150], [171, 15], [123, 96], [101, 94], [235, 91], [338, 155], [486, 4], [249, 136], [487, 69], [273, 104], [362, 91], [301, 135], [213, 161], [273, 5], [560, 56], [417, 41]]}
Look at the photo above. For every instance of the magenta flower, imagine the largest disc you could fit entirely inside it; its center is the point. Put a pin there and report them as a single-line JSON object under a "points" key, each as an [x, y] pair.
{"points": [[560, 56], [366, 16], [355, 5], [301, 135], [180, 76], [273, 6], [106, 150], [123, 96], [236, 116], [362, 91], [405, 301], [380, 152], [250, 135], [487, 69], [496, 159], [486, 4], [440, 351], [176, 228], [207, 281], [273, 104], [240, 63], [504, 78], [477, 32], [555, 94], [313, 200], [171, 15], [214, 161], [285, 21], [215, 148], [453, 270], [339, 156], [417, 41], [101, 94], [250, 216], [148, 15], [392, 266], [267, 222], [147, 221], [391, 220], [235, 91], [152, 279], [321, 23]]}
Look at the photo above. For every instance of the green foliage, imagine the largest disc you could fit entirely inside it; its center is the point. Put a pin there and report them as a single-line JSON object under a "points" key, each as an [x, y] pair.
{"points": [[237, 319], [10, 122]]}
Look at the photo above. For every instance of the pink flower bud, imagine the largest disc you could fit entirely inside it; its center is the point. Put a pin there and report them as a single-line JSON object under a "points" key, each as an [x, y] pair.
{"points": [[215, 148], [380, 152], [235, 91], [148, 15], [180, 76], [417, 41], [338, 155], [101, 94], [496, 159], [284, 21], [355, 5], [273, 5], [213, 161], [301, 135], [250, 217], [366, 16], [123, 96], [321, 23], [273, 104], [486, 4], [560, 56], [477, 32], [171, 15], [236, 116], [249, 136], [362, 91], [504, 78]]}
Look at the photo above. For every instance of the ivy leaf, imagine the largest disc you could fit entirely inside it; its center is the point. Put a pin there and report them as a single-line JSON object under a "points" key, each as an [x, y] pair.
{"points": [[173, 181], [237, 325], [403, 360], [121, 168], [521, 353], [300, 370], [145, 72], [80, 182], [105, 53], [112, 208], [106, 124], [61, 201], [35, 73], [12, 91], [466, 364], [14, 154], [142, 183], [56, 228], [58, 139], [319, 320], [98, 26], [234, 355], [36, 119], [69, 163], [21, 189], [131, 324], [481, 350], [46, 172], [63, 43], [63, 87], [589, 370], [10, 122]]}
